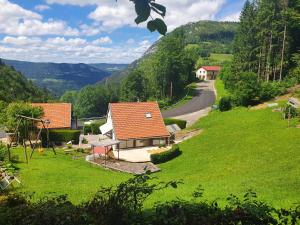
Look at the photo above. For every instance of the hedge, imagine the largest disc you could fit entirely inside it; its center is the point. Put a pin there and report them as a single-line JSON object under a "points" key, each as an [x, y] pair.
{"points": [[61, 136], [180, 123], [93, 128], [166, 156]]}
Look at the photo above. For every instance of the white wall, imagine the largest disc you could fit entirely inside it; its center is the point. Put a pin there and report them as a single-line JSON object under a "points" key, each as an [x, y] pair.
{"points": [[201, 74]]}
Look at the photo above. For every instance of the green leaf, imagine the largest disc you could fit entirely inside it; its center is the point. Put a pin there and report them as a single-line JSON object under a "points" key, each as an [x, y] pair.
{"points": [[142, 9], [159, 25], [151, 26], [160, 9]]}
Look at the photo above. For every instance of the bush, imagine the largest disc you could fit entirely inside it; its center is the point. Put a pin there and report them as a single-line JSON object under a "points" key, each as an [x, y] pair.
{"points": [[270, 90], [166, 156], [94, 128], [124, 203], [87, 129], [60, 136], [290, 112], [180, 123], [3, 152], [225, 104]]}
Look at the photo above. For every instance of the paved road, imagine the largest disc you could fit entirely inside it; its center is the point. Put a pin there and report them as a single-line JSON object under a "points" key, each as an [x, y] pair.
{"points": [[204, 98]]}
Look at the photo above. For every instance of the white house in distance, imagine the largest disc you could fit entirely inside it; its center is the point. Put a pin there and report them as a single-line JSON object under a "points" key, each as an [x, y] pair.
{"points": [[208, 72], [135, 125]]}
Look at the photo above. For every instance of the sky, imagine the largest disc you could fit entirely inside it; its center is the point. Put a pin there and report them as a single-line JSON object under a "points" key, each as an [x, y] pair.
{"points": [[93, 31]]}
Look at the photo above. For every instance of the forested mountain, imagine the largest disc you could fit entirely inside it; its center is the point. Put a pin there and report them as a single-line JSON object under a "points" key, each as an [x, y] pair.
{"points": [[211, 36], [15, 87], [59, 77]]}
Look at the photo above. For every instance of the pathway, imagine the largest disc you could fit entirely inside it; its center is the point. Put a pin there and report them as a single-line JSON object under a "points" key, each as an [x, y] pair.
{"points": [[199, 106]]}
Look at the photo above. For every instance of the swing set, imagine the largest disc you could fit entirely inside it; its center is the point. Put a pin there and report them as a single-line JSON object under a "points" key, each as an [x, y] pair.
{"points": [[23, 135]]}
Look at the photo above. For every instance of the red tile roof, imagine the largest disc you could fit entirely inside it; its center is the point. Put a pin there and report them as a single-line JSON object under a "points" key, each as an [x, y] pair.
{"points": [[130, 120], [59, 114], [211, 68]]}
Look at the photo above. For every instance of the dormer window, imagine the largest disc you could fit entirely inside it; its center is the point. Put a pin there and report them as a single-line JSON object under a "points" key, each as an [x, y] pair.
{"points": [[148, 115]]}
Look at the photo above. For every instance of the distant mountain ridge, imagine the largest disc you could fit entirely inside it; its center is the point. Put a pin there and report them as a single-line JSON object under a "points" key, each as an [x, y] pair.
{"points": [[59, 77]]}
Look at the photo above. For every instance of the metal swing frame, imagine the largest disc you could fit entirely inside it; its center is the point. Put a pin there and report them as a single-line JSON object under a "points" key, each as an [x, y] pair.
{"points": [[26, 139]]}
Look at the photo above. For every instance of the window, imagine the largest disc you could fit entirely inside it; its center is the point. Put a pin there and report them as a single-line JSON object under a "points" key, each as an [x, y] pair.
{"points": [[148, 115]]}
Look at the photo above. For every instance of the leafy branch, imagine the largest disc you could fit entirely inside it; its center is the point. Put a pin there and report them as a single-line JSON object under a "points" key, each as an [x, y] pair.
{"points": [[143, 9]]}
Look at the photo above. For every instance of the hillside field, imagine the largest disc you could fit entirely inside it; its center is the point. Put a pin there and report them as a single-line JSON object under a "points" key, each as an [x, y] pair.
{"points": [[238, 150]]}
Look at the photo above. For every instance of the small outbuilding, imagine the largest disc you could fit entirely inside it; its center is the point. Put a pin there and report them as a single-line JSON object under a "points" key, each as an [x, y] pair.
{"points": [[135, 125], [208, 72]]}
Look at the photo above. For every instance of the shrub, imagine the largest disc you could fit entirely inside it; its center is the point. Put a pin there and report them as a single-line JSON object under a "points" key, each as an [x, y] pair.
{"points": [[123, 204], [225, 103], [3, 152], [290, 112], [180, 123], [87, 129], [60, 136], [270, 90], [166, 156], [94, 127]]}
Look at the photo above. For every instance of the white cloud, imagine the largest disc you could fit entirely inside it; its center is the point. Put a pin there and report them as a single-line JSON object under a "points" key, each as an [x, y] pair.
{"points": [[21, 41], [15, 20], [72, 50], [41, 7], [74, 2], [112, 15], [234, 17], [103, 40]]}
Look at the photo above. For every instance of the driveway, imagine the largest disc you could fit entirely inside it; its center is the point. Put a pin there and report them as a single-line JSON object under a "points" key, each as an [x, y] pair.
{"points": [[197, 107]]}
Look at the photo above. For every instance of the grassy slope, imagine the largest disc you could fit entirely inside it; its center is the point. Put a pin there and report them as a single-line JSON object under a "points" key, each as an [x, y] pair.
{"points": [[239, 150], [61, 174], [221, 91]]}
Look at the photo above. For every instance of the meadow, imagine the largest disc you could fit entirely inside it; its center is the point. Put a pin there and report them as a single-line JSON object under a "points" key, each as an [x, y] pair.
{"points": [[238, 150]]}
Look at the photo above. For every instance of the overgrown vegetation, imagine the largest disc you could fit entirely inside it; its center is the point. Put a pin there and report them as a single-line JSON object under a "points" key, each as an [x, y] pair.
{"points": [[124, 205]]}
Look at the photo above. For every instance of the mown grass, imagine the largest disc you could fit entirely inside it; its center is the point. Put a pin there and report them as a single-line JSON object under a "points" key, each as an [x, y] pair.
{"points": [[238, 150], [47, 174]]}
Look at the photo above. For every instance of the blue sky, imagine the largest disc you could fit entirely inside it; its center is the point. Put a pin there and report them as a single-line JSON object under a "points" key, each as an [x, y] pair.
{"points": [[92, 31]]}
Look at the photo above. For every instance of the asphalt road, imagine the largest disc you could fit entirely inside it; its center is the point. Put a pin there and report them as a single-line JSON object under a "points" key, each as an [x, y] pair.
{"points": [[205, 97]]}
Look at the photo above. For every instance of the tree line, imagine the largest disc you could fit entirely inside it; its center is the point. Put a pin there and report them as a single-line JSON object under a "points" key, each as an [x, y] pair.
{"points": [[266, 51]]}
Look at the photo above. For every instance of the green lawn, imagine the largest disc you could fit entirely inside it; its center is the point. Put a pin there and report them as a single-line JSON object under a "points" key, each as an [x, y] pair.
{"points": [[61, 174], [238, 150], [221, 91], [221, 57]]}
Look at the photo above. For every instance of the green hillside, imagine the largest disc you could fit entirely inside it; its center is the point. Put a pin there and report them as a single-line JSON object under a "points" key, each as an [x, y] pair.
{"points": [[255, 150], [15, 87], [59, 77], [213, 38]]}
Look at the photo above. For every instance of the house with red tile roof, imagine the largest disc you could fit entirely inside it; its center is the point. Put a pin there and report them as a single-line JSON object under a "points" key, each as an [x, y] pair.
{"points": [[135, 125], [59, 114], [208, 72]]}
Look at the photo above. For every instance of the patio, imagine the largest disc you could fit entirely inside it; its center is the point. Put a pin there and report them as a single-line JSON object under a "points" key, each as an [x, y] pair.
{"points": [[136, 155]]}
